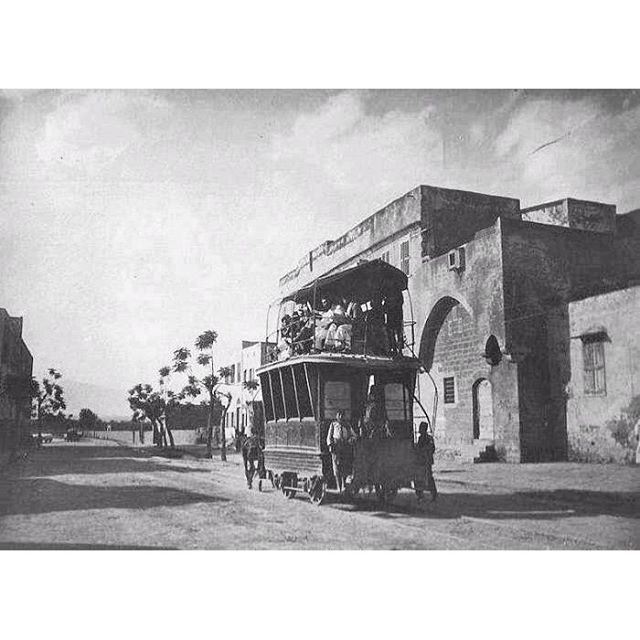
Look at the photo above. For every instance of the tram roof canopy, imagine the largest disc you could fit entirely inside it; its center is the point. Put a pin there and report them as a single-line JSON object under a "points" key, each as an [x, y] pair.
{"points": [[362, 282]]}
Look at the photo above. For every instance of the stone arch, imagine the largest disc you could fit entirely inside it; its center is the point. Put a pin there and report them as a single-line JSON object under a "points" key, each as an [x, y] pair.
{"points": [[432, 326]]}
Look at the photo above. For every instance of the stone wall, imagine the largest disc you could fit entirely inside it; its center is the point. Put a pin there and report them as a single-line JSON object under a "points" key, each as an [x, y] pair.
{"points": [[544, 267], [361, 240], [478, 289], [617, 314], [577, 214]]}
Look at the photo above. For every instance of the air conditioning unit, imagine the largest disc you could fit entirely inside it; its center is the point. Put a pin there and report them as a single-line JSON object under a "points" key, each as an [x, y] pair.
{"points": [[455, 259]]}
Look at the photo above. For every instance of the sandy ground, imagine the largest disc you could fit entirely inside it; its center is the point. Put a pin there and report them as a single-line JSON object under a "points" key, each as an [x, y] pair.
{"points": [[101, 495]]}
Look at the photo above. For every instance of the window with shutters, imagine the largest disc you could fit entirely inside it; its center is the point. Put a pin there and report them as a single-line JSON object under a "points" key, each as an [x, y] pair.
{"points": [[594, 368], [449, 386], [404, 257]]}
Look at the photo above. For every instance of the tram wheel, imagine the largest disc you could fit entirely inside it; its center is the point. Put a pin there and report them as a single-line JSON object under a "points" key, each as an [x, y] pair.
{"points": [[288, 480], [318, 491]]}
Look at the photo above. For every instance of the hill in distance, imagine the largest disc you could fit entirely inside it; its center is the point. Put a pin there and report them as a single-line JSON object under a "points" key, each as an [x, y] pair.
{"points": [[106, 402]]}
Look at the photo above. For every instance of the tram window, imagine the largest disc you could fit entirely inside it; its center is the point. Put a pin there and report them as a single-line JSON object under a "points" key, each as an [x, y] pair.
{"points": [[394, 399], [265, 383], [276, 389], [303, 392], [337, 396], [289, 393]]}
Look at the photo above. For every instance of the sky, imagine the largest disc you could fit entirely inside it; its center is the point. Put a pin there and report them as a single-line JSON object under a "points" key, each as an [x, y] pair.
{"points": [[131, 221]]}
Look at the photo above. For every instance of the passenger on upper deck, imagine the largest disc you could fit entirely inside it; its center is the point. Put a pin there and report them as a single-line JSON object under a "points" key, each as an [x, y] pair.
{"points": [[324, 317], [284, 345], [392, 305], [377, 341], [339, 333], [303, 335]]}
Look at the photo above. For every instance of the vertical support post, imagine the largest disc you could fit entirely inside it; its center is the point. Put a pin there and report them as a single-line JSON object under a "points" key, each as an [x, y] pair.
{"points": [[284, 401], [295, 390], [273, 404], [313, 406]]}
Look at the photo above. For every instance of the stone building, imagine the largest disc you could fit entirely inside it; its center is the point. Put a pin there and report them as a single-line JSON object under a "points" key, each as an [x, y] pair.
{"points": [[16, 367], [605, 363], [490, 286]]}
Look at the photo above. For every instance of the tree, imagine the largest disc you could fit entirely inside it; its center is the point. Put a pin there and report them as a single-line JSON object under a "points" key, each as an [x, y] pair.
{"points": [[208, 382], [87, 419], [47, 398], [151, 404]]}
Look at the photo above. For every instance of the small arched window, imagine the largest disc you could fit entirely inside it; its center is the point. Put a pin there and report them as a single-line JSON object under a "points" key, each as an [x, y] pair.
{"points": [[492, 351]]}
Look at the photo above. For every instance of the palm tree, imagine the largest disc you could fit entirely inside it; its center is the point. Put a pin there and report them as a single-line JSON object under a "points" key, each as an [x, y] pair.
{"points": [[210, 383]]}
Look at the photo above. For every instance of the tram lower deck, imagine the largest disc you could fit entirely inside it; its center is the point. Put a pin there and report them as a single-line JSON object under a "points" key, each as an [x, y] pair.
{"points": [[304, 395]]}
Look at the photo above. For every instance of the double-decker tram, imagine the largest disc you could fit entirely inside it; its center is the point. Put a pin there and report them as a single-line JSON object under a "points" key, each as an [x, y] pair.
{"points": [[339, 368]]}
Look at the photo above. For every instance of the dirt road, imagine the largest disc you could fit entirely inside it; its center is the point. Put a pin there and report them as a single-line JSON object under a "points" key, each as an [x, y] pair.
{"points": [[101, 495]]}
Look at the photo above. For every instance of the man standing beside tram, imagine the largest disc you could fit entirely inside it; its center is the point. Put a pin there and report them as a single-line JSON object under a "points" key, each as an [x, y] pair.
{"points": [[340, 438]]}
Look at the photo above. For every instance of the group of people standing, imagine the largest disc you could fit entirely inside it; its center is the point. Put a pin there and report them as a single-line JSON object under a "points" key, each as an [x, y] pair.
{"points": [[374, 327], [375, 425]]}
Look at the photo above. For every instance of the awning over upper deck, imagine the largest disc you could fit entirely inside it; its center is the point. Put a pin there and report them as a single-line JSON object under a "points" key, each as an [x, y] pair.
{"points": [[363, 282]]}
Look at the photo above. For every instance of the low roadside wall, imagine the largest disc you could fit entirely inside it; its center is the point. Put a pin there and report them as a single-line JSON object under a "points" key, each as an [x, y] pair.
{"points": [[132, 438]]}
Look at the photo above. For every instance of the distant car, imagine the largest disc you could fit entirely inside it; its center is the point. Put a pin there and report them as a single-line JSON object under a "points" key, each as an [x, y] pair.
{"points": [[73, 434], [46, 437]]}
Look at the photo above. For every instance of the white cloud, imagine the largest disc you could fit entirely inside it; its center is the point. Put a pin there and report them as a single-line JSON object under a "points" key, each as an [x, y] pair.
{"points": [[354, 149], [577, 148], [87, 131], [539, 122]]}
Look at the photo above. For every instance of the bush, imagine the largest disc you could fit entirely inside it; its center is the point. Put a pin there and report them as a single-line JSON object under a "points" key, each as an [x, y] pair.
{"points": [[622, 427]]}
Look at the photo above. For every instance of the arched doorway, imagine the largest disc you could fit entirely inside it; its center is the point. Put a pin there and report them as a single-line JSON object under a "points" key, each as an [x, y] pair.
{"points": [[482, 410], [432, 328], [426, 389]]}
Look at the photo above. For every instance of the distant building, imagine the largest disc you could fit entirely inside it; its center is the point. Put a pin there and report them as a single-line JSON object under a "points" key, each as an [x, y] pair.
{"points": [[16, 368], [251, 356], [493, 289]]}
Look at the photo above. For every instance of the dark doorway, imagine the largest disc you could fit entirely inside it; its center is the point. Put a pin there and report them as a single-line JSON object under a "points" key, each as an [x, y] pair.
{"points": [[482, 410]]}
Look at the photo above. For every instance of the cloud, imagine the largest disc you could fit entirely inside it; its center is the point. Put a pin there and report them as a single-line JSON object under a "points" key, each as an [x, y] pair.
{"points": [[353, 148], [554, 148], [88, 131], [539, 122]]}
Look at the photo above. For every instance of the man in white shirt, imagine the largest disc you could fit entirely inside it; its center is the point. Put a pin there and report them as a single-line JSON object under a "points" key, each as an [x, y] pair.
{"points": [[339, 440]]}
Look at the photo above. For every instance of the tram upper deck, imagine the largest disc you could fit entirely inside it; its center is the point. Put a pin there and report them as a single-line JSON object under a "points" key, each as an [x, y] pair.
{"points": [[355, 312]]}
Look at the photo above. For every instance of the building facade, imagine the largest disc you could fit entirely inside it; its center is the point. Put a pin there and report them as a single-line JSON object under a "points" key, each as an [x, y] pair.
{"points": [[243, 400], [605, 361], [16, 368], [489, 291]]}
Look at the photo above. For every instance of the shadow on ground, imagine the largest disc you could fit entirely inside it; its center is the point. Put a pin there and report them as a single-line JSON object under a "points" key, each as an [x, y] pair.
{"points": [[518, 505], [42, 495], [62, 546], [58, 461]]}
